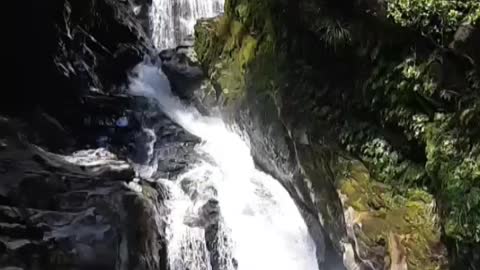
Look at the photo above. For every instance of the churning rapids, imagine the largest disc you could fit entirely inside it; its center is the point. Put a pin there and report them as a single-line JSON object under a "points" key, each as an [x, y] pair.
{"points": [[248, 216]]}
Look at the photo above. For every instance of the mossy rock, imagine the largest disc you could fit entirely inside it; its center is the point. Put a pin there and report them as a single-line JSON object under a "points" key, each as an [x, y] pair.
{"points": [[247, 51], [381, 213]]}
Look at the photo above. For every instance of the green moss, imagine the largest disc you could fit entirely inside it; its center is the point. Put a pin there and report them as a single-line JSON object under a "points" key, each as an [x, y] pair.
{"points": [[234, 40], [247, 51], [242, 11], [231, 81], [226, 48], [208, 37], [381, 212], [223, 27]]}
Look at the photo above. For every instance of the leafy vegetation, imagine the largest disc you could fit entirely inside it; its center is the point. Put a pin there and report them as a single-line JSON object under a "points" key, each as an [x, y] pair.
{"points": [[409, 97], [411, 114], [437, 19]]}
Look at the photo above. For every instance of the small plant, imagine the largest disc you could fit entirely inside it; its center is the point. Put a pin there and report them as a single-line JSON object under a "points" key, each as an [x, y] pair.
{"points": [[335, 33]]}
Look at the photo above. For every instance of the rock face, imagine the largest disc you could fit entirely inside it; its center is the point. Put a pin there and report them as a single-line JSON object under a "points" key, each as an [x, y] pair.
{"points": [[67, 47], [76, 154], [359, 82], [88, 209], [76, 211]]}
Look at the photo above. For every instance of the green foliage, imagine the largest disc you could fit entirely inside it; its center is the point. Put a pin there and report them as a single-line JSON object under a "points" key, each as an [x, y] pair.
{"points": [[247, 12], [473, 17], [437, 19], [409, 97], [413, 131], [454, 160], [404, 94], [207, 37], [386, 163], [335, 34]]}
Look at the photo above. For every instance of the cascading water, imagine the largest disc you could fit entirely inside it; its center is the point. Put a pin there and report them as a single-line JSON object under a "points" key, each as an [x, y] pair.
{"points": [[173, 20], [256, 223]]}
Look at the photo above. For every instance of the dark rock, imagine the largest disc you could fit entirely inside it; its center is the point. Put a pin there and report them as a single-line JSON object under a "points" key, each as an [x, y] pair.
{"points": [[186, 77], [80, 45], [69, 195], [466, 41], [58, 137], [141, 9], [74, 212], [184, 73]]}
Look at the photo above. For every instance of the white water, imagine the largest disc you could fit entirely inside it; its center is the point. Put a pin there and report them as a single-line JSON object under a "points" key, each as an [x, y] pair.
{"points": [[260, 225], [173, 20]]}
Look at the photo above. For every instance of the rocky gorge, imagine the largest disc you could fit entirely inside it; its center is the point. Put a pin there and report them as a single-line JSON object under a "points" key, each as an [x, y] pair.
{"points": [[365, 112]]}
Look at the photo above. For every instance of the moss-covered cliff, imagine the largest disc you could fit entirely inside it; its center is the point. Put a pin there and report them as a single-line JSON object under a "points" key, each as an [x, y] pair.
{"points": [[394, 84]]}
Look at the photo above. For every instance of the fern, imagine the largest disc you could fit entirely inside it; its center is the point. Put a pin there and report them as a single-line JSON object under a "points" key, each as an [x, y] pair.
{"points": [[335, 34]]}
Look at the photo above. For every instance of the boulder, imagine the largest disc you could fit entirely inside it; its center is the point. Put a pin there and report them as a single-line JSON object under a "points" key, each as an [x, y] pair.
{"points": [[75, 211]]}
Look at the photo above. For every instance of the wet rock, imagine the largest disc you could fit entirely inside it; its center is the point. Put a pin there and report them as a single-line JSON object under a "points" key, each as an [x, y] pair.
{"points": [[81, 45], [184, 73], [59, 136], [75, 211], [141, 9], [204, 216], [72, 195]]}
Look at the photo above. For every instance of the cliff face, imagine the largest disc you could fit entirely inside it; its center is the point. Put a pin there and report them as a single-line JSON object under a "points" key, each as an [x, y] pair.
{"points": [[66, 48], [373, 105]]}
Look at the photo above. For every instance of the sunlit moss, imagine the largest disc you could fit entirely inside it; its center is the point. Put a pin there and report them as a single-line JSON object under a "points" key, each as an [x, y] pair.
{"points": [[247, 51], [381, 213]]}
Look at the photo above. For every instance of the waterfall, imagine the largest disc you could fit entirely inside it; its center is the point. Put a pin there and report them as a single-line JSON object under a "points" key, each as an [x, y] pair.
{"points": [[224, 213], [173, 20]]}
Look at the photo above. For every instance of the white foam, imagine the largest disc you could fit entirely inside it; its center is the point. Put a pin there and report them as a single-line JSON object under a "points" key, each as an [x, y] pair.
{"points": [[266, 228]]}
